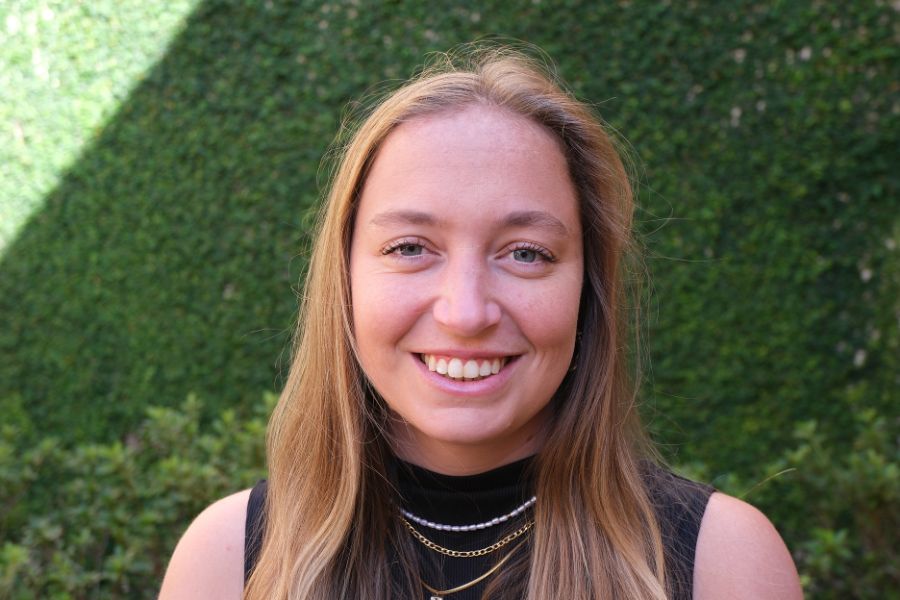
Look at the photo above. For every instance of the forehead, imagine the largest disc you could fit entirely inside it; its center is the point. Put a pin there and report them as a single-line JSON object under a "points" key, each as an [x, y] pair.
{"points": [[477, 157], [478, 123]]}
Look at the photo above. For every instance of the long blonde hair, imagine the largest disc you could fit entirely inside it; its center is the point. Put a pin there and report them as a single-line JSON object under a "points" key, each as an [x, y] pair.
{"points": [[331, 529]]}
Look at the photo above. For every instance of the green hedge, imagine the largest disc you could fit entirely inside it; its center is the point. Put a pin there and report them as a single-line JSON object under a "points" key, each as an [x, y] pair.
{"points": [[64, 68], [836, 508], [103, 519], [164, 261]]}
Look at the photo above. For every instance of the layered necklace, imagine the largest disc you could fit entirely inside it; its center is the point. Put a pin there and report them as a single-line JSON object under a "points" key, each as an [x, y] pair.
{"points": [[409, 518]]}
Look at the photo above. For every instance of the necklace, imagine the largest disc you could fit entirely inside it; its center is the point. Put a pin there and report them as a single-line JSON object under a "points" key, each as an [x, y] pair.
{"points": [[437, 594], [467, 553], [495, 521]]}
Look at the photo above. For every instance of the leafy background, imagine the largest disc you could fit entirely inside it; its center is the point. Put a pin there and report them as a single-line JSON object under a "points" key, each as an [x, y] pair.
{"points": [[161, 162]]}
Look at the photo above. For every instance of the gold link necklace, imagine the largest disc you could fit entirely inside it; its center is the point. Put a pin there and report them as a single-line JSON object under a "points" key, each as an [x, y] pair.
{"points": [[437, 594], [467, 553]]}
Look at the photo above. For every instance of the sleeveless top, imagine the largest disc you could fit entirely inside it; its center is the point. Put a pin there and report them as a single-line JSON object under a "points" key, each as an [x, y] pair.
{"points": [[679, 505]]}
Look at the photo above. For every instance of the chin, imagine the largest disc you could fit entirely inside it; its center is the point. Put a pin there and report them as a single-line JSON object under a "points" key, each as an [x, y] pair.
{"points": [[467, 437], [472, 428]]}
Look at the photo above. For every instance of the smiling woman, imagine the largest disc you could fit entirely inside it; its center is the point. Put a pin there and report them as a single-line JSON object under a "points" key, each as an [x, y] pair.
{"points": [[458, 422], [456, 271]]}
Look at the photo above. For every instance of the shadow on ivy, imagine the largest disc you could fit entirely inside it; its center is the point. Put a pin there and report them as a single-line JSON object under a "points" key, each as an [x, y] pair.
{"points": [[164, 261]]}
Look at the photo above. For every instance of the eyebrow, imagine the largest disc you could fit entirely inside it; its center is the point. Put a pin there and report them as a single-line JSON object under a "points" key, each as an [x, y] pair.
{"points": [[536, 218], [521, 218], [402, 217]]}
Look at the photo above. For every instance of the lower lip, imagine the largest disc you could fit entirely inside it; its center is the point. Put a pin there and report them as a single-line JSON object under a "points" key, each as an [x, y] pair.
{"points": [[464, 388]]}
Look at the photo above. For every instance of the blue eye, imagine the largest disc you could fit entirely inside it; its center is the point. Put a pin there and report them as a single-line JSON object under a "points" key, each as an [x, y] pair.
{"points": [[525, 255], [529, 253], [409, 249]]}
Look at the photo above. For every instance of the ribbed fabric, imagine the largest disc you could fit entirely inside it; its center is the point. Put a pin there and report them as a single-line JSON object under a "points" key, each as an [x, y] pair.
{"points": [[254, 526], [465, 500]]}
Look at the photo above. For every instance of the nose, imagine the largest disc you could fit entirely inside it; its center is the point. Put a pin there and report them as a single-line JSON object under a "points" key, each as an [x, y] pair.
{"points": [[465, 305]]}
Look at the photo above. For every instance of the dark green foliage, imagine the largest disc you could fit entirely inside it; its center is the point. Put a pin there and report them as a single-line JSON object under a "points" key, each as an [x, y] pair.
{"points": [[770, 144], [163, 262], [838, 508], [102, 519], [853, 498]]}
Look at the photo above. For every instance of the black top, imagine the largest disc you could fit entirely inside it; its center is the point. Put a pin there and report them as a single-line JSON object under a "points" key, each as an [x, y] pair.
{"points": [[465, 500]]}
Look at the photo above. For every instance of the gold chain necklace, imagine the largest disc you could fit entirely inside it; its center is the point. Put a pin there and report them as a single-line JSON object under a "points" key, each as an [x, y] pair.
{"points": [[467, 553], [437, 594]]}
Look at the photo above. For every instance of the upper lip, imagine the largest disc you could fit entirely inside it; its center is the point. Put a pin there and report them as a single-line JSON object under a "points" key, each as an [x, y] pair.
{"points": [[469, 354]]}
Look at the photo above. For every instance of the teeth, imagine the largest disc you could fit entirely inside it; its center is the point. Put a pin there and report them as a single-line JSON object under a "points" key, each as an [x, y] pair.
{"points": [[485, 369], [470, 369], [456, 368]]}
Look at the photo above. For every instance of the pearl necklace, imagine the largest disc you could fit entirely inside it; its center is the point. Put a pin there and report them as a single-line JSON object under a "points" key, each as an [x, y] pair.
{"points": [[495, 521]]}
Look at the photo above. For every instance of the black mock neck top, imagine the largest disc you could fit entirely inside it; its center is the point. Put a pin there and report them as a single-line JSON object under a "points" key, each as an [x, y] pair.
{"points": [[466, 500]]}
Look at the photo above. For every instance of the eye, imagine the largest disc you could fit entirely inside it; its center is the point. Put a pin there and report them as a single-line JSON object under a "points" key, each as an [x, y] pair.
{"points": [[409, 250], [531, 253], [525, 255], [405, 248]]}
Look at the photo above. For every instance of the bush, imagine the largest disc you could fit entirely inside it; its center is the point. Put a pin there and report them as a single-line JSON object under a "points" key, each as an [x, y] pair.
{"points": [[842, 509], [100, 521], [838, 510]]}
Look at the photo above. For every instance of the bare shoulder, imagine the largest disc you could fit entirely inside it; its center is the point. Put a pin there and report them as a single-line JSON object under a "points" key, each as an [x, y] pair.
{"points": [[740, 555], [208, 561]]}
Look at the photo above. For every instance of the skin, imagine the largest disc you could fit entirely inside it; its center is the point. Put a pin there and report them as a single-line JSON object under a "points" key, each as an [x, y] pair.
{"points": [[459, 283], [444, 261]]}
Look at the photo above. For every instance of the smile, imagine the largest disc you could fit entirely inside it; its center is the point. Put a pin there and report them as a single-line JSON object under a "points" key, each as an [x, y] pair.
{"points": [[460, 369]]}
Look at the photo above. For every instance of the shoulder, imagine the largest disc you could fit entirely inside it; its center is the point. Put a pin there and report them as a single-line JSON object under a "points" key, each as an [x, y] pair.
{"points": [[208, 561], [740, 555]]}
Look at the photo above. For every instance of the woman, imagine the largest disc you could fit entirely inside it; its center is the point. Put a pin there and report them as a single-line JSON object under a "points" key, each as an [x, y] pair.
{"points": [[458, 421]]}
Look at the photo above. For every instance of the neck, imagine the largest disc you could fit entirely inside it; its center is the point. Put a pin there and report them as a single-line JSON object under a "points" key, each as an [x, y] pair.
{"points": [[457, 459]]}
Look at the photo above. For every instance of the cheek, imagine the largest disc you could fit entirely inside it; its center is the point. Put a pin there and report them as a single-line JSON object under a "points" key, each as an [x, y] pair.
{"points": [[383, 312], [553, 336], [550, 318]]}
